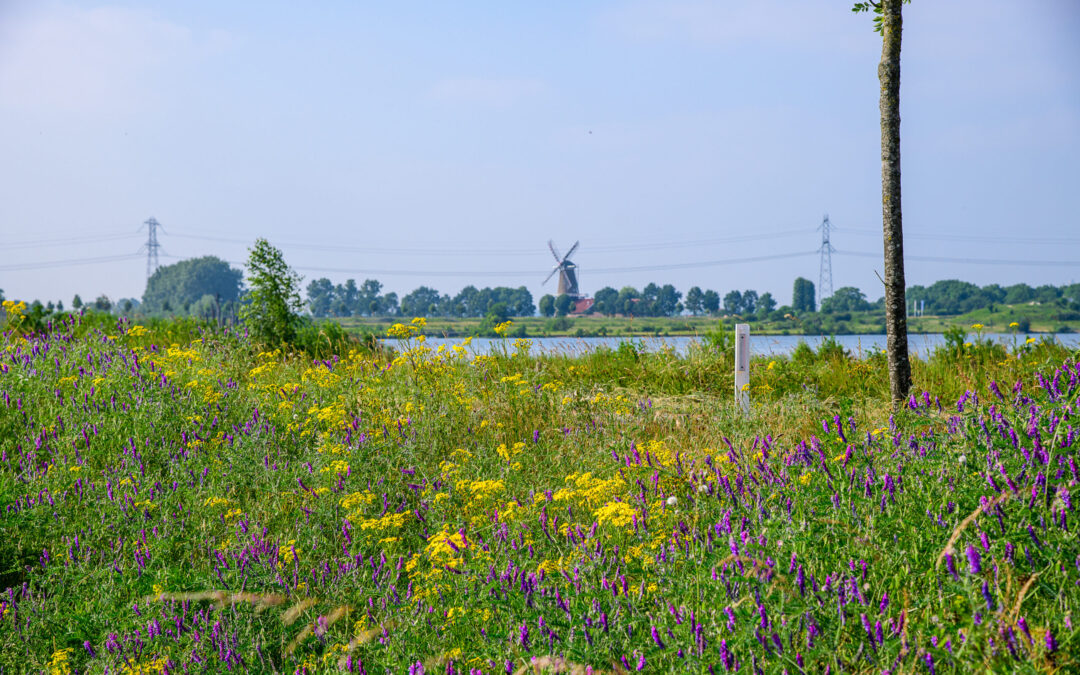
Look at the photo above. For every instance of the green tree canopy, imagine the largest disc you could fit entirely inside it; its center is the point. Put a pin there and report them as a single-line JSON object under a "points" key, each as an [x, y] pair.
{"points": [[802, 296], [271, 310], [184, 283], [547, 305], [846, 299]]}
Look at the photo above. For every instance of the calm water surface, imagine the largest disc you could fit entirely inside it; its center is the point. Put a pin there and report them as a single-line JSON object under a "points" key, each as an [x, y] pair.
{"points": [[778, 345]]}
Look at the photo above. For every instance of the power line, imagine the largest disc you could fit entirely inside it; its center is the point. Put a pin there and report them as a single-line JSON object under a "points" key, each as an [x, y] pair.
{"points": [[945, 236], [444, 251], [970, 261], [68, 262], [81, 239], [519, 272]]}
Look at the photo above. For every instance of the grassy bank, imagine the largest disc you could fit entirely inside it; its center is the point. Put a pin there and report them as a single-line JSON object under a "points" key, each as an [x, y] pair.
{"points": [[201, 505], [1037, 318]]}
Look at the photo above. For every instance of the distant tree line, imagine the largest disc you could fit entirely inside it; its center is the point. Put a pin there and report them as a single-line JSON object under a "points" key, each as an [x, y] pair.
{"points": [[957, 297], [348, 299], [209, 288]]}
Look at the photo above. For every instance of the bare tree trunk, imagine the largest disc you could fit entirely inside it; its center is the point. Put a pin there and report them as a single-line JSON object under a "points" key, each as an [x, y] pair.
{"points": [[895, 291]]}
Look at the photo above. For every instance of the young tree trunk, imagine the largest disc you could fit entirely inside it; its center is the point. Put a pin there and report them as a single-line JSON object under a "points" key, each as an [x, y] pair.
{"points": [[895, 293]]}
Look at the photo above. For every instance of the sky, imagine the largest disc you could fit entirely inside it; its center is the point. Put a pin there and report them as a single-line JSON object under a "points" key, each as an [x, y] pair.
{"points": [[444, 144]]}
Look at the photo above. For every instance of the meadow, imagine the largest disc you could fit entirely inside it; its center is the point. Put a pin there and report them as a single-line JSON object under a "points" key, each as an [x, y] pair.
{"points": [[176, 499], [1002, 319]]}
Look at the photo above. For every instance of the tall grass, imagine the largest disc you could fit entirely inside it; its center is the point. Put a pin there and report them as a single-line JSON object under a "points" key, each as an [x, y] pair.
{"points": [[196, 504]]}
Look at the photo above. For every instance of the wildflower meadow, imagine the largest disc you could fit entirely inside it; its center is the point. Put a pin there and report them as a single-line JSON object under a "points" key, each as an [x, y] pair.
{"points": [[177, 499]]}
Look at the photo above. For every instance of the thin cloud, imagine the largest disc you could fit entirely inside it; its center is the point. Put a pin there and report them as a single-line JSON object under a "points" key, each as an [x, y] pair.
{"points": [[99, 59], [487, 92]]}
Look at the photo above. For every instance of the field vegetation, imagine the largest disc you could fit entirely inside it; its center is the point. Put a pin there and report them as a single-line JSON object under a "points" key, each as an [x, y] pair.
{"points": [[1027, 317], [176, 498]]}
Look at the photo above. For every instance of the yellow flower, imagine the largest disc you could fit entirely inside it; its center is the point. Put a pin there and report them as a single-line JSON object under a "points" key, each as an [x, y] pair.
{"points": [[977, 326], [58, 664], [616, 513], [1014, 325], [502, 328]]}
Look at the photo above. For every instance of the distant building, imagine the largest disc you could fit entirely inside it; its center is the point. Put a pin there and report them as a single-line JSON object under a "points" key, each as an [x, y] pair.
{"points": [[581, 306]]}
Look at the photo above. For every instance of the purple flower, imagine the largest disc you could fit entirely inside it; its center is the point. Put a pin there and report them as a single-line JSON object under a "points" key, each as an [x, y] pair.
{"points": [[950, 564], [929, 658], [656, 638], [726, 656], [974, 561], [1051, 643], [523, 637]]}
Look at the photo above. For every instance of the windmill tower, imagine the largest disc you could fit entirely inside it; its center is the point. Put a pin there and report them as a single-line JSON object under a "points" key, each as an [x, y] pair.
{"points": [[567, 271]]}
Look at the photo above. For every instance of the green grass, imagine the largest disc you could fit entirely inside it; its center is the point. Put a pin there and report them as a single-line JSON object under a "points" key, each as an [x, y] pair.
{"points": [[1042, 318], [210, 507]]}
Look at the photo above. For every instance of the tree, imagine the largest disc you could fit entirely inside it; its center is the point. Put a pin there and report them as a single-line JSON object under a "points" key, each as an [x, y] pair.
{"points": [[423, 301], [846, 299], [765, 305], [102, 303], [693, 300], [628, 301], [802, 295], [667, 301], [563, 304], [733, 302], [749, 302], [76, 302], [710, 301], [606, 301], [547, 305], [184, 283], [369, 293], [320, 293], [271, 309], [521, 302], [890, 26]]}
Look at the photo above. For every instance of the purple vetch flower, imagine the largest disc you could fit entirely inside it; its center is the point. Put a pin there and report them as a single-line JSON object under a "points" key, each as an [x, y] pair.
{"points": [[1034, 537], [988, 596], [726, 657], [1051, 643], [89, 649], [950, 565], [656, 638], [523, 637], [929, 658], [1022, 623], [974, 560], [641, 662]]}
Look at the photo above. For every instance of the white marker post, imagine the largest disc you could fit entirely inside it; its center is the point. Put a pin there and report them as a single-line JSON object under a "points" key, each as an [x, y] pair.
{"points": [[742, 366]]}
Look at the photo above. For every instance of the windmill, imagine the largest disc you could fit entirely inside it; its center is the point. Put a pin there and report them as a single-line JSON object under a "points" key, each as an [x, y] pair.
{"points": [[567, 271]]}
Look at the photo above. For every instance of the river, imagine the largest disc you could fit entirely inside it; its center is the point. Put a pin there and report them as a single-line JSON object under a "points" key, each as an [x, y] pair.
{"points": [[920, 344]]}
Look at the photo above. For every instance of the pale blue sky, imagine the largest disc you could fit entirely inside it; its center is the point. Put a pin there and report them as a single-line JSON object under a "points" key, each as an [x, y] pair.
{"points": [[432, 139]]}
